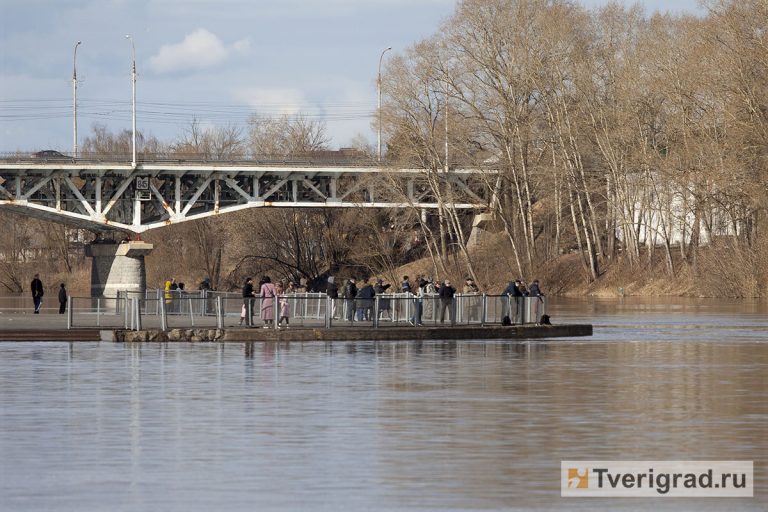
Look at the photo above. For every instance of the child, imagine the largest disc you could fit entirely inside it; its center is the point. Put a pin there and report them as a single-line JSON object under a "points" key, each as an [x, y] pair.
{"points": [[283, 306]]}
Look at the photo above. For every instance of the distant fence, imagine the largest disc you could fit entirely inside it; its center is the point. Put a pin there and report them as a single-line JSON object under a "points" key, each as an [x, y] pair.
{"points": [[208, 309]]}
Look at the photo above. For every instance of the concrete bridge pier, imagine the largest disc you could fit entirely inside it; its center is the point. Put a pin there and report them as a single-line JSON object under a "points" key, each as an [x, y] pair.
{"points": [[117, 267], [482, 225]]}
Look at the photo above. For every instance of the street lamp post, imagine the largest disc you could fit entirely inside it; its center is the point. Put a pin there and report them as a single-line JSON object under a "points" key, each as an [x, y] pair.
{"points": [[133, 102], [74, 99], [378, 87], [446, 124]]}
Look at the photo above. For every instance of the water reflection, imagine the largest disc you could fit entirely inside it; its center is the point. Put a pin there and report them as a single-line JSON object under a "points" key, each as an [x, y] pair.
{"points": [[407, 425]]}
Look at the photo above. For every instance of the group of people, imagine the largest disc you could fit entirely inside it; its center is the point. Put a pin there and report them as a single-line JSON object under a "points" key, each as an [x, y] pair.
{"points": [[517, 290], [358, 299], [268, 292], [359, 302], [426, 292], [36, 286]]}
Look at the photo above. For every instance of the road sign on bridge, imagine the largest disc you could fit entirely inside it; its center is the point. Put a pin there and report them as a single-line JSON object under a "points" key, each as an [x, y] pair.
{"points": [[113, 195]]}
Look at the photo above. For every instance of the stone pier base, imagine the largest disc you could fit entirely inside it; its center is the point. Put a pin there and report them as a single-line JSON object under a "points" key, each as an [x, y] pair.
{"points": [[118, 267], [482, 225]]}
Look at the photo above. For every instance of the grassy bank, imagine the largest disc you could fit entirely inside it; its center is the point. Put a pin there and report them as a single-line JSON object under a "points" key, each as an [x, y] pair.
{"points": [[718, 270]]}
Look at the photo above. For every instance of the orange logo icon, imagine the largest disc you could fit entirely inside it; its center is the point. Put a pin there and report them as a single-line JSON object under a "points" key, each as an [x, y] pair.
{"points": [[578, 478]]}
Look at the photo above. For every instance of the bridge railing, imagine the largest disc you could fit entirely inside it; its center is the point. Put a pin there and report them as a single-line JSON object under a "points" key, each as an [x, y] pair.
{"points": [[191, 158]]}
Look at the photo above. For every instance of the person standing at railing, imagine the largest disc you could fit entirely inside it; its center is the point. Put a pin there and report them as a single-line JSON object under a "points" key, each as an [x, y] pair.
{"points": [[174, 296], [283, 305], [350, 292], [248, 301], [37, 293], [380, 288], [364, 302], [419, 302], [168, 295], [446, 293], [405, 286], [428, 300], [538, 298], [205, 290], [62, 299], [267, 293], [514, 301], [473, 303], [332, 291]]}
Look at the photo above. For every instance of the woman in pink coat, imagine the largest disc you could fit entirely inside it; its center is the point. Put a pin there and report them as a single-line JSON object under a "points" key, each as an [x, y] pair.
{"points": [[267, 295]]}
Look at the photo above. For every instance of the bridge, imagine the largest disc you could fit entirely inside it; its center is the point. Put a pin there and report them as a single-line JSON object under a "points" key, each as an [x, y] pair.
{"points": [[111, 194], [104, 195]]}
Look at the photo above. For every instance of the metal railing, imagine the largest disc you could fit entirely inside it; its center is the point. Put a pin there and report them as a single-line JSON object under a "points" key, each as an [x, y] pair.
{"points": [[430, 309], [136, 313], [207, 309], [193, 158]]}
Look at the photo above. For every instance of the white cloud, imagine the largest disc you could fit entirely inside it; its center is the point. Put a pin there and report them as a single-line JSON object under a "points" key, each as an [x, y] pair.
{"points": [[198, 50]]}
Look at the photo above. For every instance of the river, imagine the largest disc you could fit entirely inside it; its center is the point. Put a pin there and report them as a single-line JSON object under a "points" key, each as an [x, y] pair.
{"points": [[386, 426]]}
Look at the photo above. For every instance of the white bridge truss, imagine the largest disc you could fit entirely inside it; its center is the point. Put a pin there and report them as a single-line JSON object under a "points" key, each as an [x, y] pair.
{"points": [[116, 196]]}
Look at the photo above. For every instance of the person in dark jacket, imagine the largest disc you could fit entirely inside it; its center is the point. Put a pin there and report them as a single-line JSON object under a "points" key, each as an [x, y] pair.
{"points": [[512, 288], [332, 291], [37, 292], [62, 299], [446, 294], [364, 302], [350, 292], [539, 312], [249, 300], [380, 288], [419, 302], [405, 286], [514, 302]]}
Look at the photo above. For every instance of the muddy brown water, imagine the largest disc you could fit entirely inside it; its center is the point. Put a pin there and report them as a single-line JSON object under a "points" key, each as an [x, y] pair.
{"points": [[466, 425]]}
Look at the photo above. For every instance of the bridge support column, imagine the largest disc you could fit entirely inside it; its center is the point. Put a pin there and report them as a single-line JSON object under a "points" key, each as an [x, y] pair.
{"points": [[482, 225], [117, 267]]}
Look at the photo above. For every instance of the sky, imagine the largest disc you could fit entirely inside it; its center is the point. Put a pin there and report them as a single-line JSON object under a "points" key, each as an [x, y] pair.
{"points": [[211, 60]]}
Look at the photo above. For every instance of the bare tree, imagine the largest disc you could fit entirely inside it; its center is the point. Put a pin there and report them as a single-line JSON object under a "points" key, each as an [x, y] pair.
{"points": [[286, 135], [104, 142], [212, 143]]}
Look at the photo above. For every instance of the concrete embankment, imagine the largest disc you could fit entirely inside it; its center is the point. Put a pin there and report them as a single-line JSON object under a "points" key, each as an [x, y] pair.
{"points": [[306, 334], [359, 334], [52, 335]]}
